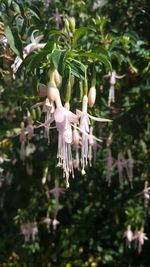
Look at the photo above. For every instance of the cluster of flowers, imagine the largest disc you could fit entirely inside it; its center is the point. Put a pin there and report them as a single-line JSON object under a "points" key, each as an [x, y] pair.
{"points": [[138, 237], [123, 165], [74, 130], [30, 229]]}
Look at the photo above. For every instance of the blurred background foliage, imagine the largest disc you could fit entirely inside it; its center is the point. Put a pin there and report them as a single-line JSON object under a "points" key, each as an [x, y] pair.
{"points": [[92, 214]]}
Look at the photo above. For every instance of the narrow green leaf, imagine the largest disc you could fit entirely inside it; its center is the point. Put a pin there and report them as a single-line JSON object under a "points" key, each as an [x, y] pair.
{"points": [[35, 12], [100, 57], [53, 32], [57, 58], [14, 40], [78, 33]]}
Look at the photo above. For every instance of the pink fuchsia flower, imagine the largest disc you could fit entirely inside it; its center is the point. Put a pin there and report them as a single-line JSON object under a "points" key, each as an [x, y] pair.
{"points": [[128, 235], [139, 238], [112, 82], [28, 50]]}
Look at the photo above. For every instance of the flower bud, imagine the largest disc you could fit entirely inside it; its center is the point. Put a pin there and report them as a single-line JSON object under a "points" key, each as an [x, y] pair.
{"points": [[57, 77], [51, 91], [92, 96], [72, 24], [67, 26]]}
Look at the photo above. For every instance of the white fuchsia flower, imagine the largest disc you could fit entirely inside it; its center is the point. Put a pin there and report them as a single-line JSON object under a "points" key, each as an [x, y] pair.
{"points": [[128, 235], [55, 223], [130, 165], [85, 128], [29, 230], [112, 82], [120, 164], [28, 49], [56, 192], [139, 238], [146, 194]]}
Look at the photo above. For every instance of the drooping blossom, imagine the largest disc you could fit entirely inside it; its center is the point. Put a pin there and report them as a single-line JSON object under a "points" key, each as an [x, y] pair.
{"points": [[139, 237], [146, 194], [57, 17], [64, 118], [120, 164], [112, 82], [28, 49], [55, 222], [85, 128], [130, 165], [56, 192], [26, 134], [128, 235], [29, 230]]}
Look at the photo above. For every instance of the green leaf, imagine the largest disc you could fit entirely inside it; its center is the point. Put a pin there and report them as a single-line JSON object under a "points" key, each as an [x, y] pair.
{"points": [[53, 32], [14, 40], [35, 12], [57, 58], [100, 57], [78, 33]]}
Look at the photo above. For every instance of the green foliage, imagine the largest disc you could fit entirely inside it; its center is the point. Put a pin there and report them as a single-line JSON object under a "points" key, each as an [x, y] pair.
{"points": [[93, 213]]}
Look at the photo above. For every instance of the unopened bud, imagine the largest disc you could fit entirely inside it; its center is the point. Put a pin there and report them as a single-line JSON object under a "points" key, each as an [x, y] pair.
{"points": [[72, 24], [67, 26], [51, 91], [92, 96], [57, 77]]}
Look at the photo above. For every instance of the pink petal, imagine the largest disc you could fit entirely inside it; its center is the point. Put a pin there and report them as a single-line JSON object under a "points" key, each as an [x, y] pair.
{"points": [[67, 135], [97, 119]]}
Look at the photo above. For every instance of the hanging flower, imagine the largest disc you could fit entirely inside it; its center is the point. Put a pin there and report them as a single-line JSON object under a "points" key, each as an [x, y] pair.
{"points": [[128, 235], [112, 82], [139, 238], [55, 223], [27, 51], [84, 128]]}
